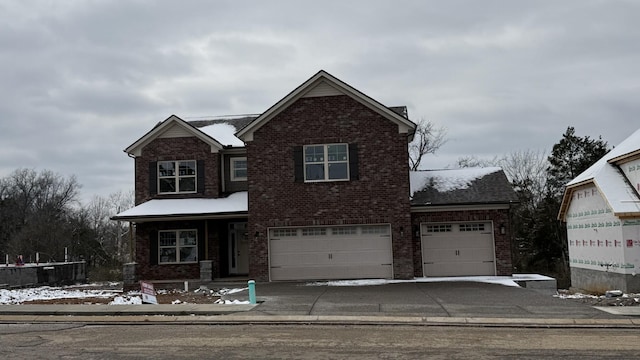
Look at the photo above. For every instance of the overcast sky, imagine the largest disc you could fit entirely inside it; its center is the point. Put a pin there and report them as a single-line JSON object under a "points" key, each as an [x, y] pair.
{"points": [[82, 80]]}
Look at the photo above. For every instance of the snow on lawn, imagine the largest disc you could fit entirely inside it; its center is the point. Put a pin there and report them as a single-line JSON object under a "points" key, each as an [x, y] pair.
{"points": [[502, 280], [126, 300], [19, 296], [26, 295], [231, 302]]}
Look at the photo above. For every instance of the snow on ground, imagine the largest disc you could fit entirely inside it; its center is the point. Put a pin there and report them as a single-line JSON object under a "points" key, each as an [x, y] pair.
{"points": [[26, 295], [502, 280], [126, 300], [19, 296], [231, 302]]}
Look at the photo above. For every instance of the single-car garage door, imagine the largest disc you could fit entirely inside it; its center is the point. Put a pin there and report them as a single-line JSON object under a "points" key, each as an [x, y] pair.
{"points": [[458, 249], [331, 252]]}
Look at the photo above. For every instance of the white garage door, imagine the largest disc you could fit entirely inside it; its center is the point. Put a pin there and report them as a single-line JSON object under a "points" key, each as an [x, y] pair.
{"points": [[332, 252], [458, 249]]}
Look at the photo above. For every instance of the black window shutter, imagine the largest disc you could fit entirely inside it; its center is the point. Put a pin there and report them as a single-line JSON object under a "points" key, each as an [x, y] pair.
{"points": [[200, 176], [153, 178], [354, 174], [153, 247], [298, 164]]}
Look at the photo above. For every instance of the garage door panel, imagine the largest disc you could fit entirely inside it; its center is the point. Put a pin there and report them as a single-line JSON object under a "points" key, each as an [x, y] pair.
{"points": [[360, 257], [475, 254], [350, 253], [460, 269], [294, 259], [463, 249]]}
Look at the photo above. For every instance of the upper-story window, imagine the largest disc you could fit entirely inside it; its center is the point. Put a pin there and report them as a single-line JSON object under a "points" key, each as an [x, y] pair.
{"points": [[239, 169], [326, 162], [177, 176]]}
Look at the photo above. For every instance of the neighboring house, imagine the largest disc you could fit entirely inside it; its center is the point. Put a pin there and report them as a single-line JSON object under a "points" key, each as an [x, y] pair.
{"points": [[316, 187], [601, 207]]}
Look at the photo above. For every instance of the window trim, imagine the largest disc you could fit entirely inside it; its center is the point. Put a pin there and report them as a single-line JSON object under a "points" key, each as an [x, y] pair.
{"points": [[177, 247], [232, 168], [326, 162], [177, 177]]}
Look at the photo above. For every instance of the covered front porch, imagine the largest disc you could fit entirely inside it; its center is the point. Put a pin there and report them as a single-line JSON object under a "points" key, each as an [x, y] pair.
{"points": [[180, 239]]}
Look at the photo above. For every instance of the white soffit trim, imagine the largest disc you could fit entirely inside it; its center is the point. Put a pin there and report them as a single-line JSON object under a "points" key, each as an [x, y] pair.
{"points": [[171, 127], [323, 82]]}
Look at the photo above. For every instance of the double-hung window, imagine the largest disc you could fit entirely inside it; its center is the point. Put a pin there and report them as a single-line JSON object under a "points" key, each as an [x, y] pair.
{"points": [[327, 162], [239, 169], [177, 176], [177, 246]]}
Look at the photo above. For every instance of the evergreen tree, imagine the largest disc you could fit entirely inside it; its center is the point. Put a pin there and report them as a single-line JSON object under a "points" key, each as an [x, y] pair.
{"points": [[570, 156]]}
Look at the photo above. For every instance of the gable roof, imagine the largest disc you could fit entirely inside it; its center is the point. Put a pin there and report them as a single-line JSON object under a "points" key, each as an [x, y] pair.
{"points": [[176, 125], [467, 186], [612, 184], [323, 83]]}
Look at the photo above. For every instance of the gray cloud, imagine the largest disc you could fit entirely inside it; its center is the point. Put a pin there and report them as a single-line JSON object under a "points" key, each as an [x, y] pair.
{"points": [[83, 80]]}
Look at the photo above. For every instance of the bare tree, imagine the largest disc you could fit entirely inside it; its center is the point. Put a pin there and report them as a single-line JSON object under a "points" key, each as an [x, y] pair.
{"points": [[427, 140], [527, 172], [474, 161]]}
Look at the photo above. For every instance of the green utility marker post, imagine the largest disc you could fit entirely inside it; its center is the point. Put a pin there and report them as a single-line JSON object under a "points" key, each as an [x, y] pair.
{"points": [[252, 292]]}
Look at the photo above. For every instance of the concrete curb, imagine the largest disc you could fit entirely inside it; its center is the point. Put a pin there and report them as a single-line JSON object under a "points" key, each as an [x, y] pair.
{"points": [[125, 310], [239, 319]]}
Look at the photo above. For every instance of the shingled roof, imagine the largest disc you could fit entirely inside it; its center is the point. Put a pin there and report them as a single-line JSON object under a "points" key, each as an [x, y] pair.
{"points": [[461, 187]]}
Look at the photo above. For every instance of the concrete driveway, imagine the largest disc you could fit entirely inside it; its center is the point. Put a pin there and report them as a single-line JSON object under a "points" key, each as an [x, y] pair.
{"points": [[437, 299]]}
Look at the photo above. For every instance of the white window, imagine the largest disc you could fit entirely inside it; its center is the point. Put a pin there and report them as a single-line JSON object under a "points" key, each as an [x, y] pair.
{"points": [[314, 231], [326, 162], [439, 228], [177, 176], [285, 232], [471, 227], [375, 229], [239, 169], [177, 246]]}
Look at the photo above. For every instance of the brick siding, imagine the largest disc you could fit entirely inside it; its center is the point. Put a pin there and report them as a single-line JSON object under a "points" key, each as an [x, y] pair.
{"points": [[182, 148], [380, 195]]}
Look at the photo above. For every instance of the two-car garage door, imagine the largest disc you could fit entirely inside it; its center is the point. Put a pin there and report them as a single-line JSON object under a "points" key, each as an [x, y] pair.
{"points": [[458, 249], [332, 252]]}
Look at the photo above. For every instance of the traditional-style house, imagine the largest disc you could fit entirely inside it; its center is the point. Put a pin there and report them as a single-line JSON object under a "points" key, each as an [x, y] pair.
{"points": [[316, 187]]}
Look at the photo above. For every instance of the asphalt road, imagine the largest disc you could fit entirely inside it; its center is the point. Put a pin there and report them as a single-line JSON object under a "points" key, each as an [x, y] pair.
{"points": [[55, 341]]}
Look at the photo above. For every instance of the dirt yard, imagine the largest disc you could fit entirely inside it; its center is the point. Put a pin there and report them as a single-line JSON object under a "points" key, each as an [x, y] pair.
{"points": [[173, 296]]}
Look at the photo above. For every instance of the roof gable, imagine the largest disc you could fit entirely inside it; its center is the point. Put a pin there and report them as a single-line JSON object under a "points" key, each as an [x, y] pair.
{"points": [[611, 182], [325, 84], [173, 126]]}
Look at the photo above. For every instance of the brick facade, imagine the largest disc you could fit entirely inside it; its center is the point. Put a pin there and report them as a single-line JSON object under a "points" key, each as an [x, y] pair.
{"points": [[379, 195], [181, 148], [211, 238], [501, 241]]}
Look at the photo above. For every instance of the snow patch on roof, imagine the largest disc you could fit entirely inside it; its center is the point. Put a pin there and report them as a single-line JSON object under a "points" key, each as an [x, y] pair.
{"points": [[611, 182], [447, 179], [630, 144], [224, 133], [236, 202]]}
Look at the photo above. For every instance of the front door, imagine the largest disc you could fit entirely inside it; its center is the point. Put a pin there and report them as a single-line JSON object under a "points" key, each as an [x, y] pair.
{"points": [[238, 248]]}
